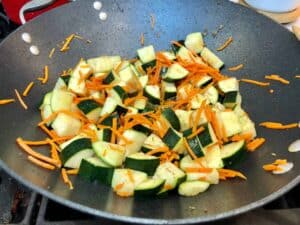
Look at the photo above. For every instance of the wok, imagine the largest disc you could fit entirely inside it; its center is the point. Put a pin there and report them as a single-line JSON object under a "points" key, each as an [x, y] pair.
{"points": [[261, 45]]}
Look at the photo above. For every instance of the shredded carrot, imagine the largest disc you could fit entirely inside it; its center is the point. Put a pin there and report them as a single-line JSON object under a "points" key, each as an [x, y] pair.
{"points": [[48, 119], [123, 194], [239, 137], [198, 131], [236, 68], [142, 39], [54, 153], [21, 100], [51, 53], [6, 101], [256, 143], [33, 153], [275, 166], [67, 42], [198, 116], [198, 170], [66, 179], [40, 163], [119, 186], [297, 76], [259, 83], [36, 143], [47, 131], [176, 43], [46, 75], [72, 171], [277, 78], [270, 167], [190, 151], [27, 89], [114, 127], [226, 44], [130, 176], [278, 126], [227, 173], [158, 150], [152, 20]]}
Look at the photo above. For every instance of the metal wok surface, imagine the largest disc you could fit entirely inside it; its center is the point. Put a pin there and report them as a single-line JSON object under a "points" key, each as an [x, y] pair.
{"points": [[263, 46]]}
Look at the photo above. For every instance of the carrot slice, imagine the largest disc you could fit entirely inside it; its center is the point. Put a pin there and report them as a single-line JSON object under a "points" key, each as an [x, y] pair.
{"points": [[66, 178], [6, 101], [277, 78], [255, 144], [236, 68], [27, 89], [278, 126], [21, 100], [40, 163], [226, 44], [259, 83]]}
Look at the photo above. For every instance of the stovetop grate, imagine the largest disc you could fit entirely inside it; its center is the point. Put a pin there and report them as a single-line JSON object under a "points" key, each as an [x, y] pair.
{"points": [[20, 206]]}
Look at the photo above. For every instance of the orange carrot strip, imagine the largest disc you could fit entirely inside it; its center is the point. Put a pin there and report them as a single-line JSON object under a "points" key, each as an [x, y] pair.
{"points": [[198, 170], [46, 75], [66, 178], [231, 173], [256, 143], [236, 68], [226, 44], [198, 131], [130, 175], [158, 150], [114, 127], [67, 42], [51, 53], [190, 151], [152, 20], [278, 126], [119, 186], [36, 143], [27, 89], [47, 131], [142, 39], [33, 153], [6, 101], [297, 76], [259, 83], [277, 78], [280, 162], [238, 137], [72, 171], [270, 167], [40, 163], [21, 100]]}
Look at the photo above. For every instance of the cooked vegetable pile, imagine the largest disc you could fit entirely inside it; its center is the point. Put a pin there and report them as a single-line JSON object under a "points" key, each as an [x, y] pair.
{"points": [[167, 120]]}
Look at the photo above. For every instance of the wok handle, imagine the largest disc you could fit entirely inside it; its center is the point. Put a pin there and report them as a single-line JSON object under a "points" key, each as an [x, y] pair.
{"points": [[33, 5]]}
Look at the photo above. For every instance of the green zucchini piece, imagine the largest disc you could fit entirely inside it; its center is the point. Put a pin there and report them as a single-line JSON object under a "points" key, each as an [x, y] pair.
{"points": [[149, 187], [211, 58], [74, 152], [175, 72], [172, 175], [142, 162], [172, 118], [192, 188], [152, 92], [146, 54], [230, 99], [112, 154], [194, 42], [233, 153], [94, 168]]}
